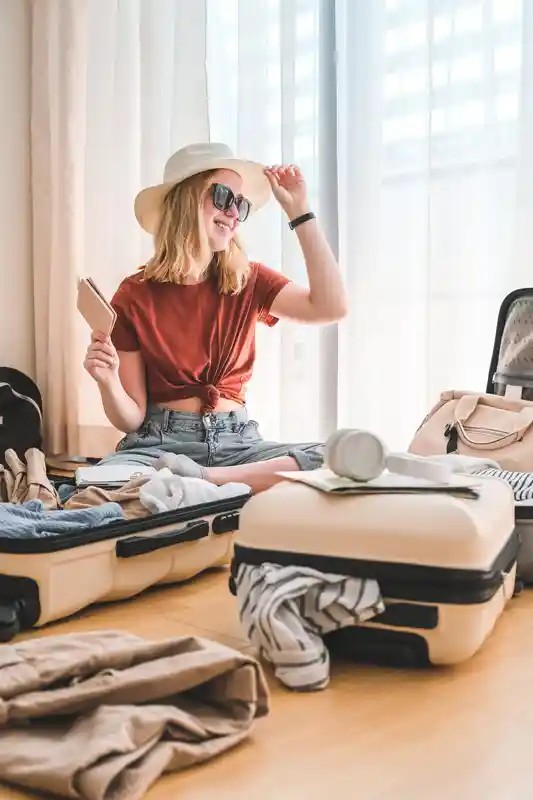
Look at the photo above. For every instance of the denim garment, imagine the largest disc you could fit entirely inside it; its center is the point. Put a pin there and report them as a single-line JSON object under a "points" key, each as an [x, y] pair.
{"points": [[213, 439]]}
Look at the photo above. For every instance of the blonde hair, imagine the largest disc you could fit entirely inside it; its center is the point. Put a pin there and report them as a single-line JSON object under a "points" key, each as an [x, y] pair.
{"points": [[181, 236]]}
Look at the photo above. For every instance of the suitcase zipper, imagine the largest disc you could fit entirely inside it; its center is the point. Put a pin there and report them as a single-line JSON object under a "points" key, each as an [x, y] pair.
{"points": [[452, 435], [399, 581], [485, 430]]}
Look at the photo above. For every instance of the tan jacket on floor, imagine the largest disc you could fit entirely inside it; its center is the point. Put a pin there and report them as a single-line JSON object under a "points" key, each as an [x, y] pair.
{"points": [[20, 482], [111, 712]]}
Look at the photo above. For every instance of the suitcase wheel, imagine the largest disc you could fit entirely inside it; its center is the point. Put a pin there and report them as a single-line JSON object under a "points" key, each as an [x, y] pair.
{"points": [[10, 619], [379, 646]]}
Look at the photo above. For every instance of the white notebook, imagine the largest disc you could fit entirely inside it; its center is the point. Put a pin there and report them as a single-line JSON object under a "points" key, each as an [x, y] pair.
{"points": [[110, 474], [387, 483]]}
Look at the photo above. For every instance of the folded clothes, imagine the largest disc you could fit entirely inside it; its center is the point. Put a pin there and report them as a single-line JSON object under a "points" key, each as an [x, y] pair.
{"points": [[155, 494], [126, 496], [31, 519], [520, 482], [469, 465]]}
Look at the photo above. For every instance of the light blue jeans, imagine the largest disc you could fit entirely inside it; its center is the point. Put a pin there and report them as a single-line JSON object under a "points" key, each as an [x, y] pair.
{"points": [[214, 439]]}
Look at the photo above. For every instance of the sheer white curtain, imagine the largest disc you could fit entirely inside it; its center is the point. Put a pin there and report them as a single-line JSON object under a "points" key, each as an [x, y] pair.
{"points": [[146, 97], [435, 149], [58, 113], [265, 60], [117, 87]]}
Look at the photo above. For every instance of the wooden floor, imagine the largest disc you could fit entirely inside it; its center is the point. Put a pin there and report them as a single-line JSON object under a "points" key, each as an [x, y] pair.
{"points": [[375, 734]]}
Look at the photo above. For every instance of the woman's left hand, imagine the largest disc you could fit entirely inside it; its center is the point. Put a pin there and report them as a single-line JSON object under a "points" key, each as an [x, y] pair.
{"points": [[288, 186]]}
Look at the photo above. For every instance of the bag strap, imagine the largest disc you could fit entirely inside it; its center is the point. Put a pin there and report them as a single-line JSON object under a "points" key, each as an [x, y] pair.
{"points": [[467, 405]]}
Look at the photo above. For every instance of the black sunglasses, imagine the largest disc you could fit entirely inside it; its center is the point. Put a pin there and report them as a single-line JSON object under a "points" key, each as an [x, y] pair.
{"points": [[223, 199]]}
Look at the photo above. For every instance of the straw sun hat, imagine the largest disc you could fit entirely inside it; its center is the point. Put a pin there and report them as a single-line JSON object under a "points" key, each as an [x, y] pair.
{"points": [[192, 160]]}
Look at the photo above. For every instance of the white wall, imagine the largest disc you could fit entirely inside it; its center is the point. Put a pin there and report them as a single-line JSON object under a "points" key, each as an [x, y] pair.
{"points": [[16, 293]]}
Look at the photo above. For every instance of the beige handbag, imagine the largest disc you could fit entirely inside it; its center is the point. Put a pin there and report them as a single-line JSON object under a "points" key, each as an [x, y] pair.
{"points": [[480, 425]]}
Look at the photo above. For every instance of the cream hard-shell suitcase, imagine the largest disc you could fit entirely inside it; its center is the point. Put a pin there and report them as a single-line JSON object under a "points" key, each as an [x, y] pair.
{"points": [[445, 564], [49, 578], [511, 373]]}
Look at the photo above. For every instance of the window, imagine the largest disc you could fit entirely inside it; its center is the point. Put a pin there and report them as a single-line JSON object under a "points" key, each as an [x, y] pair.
{"points": [[264, 61], [451, 83]]}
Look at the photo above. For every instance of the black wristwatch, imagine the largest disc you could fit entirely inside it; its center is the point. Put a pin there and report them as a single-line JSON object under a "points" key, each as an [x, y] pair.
{"points": [[299, 220]]}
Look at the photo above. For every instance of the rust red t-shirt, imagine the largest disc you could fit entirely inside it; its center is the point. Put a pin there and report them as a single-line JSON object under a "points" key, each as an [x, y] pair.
{"points": [[194, 341]]}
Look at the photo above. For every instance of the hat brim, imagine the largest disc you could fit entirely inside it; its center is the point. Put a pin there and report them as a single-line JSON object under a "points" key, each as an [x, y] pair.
{"points": [[256, 188]]}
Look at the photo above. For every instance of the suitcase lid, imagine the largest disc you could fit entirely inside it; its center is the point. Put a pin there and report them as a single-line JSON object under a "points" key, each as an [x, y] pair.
{"points": [[433, 530], [512, 356]]}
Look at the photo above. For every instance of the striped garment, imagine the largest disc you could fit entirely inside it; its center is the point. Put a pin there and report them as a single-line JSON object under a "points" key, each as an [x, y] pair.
{"points": [[520, 482], [285, 611]]}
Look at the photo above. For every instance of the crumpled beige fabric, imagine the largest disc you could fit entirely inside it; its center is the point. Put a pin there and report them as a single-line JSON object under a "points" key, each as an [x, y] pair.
{"points": [[126, 496], [21, 482], [102, 715]]}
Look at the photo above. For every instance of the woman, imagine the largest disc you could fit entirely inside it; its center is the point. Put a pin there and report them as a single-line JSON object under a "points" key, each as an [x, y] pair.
{"points": [[173, 375]]}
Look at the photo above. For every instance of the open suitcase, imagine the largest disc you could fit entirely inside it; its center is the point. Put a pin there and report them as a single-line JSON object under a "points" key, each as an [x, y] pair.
{"points": [[511, 373], [46, 579], [445, 564]]}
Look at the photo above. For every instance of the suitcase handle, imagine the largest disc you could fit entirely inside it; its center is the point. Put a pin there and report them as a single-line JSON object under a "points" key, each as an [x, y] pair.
{"points": [[140, 545], [467, 405]]}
